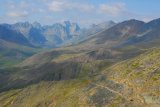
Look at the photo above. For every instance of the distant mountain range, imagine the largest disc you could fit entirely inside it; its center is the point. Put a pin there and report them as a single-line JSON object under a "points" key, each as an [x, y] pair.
{"points": [[35, 34], [67, 33]]}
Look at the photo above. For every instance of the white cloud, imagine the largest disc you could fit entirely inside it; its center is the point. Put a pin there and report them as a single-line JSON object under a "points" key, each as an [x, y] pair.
{"points": [[18, 14], [112, 9], [20, 10], [83, 7], [57, 6], [147, 19]]}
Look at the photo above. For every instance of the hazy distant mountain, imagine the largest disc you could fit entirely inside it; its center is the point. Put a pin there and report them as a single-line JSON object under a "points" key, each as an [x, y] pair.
{"points": [[33, 32], [60, 32], [56, 34], [50, 35], [94, 28], [12, 36], [106, 24], [86, 33]]}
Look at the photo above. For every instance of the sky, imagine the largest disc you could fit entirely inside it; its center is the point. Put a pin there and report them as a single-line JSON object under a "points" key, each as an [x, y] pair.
{"points": [[83, 12]]}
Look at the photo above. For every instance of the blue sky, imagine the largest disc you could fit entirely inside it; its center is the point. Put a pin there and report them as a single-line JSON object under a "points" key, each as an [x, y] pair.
{"points": [[84, 12]]}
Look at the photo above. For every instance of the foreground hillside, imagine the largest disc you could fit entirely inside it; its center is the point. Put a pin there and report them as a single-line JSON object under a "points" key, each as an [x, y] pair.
{"points": [[134, 83]]}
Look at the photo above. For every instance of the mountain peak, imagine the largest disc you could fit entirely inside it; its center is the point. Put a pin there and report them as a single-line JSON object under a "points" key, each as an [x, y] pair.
{"points": [[154, 23], [67, 23], [70, 26], [106, 24], [36, 25], [131, 21], [23, 24]]}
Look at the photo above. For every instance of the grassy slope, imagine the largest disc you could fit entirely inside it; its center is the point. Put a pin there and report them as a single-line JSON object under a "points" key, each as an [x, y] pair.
{"points": [[140, 76], [133, 82], [46, 93], [11, 53]]}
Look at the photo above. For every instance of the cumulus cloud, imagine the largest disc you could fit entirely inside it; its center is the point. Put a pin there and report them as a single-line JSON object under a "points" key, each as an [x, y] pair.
{"points": [[84, 7], [57, 6], [14, 10], [18, 14], [112, 9]]}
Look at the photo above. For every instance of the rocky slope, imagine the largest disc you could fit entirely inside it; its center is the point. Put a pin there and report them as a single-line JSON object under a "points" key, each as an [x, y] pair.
{"points": [[133, 83]]}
